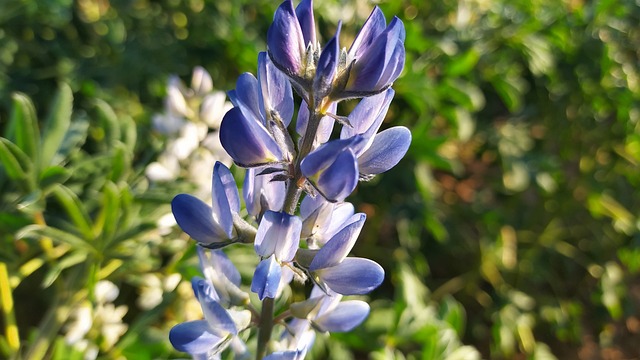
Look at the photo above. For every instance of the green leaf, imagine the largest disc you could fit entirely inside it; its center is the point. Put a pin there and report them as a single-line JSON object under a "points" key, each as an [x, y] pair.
{"points": [[74, 138], [463, 64], [109, 122], [68, 261], [53, 175], [25, 124], [75, 209], [57, 123], [108, 220], [121, 163], [511, 91], [40, 231], [17, 165]]}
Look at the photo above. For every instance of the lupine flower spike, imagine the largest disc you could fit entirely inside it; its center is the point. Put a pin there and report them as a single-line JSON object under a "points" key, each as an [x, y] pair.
{"points": [[294, 189]]}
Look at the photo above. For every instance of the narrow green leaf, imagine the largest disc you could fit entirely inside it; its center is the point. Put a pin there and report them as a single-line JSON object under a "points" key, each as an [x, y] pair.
{"points": [[108, 220], [27, 134], [121, 163], [129, 133], [53, 175], [17, 165], [57, 123], [109, 122], [75, 210], [68, 261], [74, 138], [40, 231]]}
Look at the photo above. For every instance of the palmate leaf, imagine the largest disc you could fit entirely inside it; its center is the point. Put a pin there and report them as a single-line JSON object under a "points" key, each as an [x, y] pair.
{"points": [[56, 124]]}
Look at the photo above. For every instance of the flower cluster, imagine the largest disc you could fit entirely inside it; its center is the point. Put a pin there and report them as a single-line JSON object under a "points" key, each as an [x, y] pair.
{"points": [[295, 187]]}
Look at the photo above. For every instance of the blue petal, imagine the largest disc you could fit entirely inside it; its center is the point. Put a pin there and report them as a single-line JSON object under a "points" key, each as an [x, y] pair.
{"points": [[336, 249], [224, 198], [279, 234], [202, 289], [339, 180], [326, 154], [193, 337], [262, 194], [266, 278], [368, 72], [196, 219], [368, 115], [373, 27], [220, 322], [285, 40], [220, 263], [282, 355], [387, 149], [353, 276], [247, 141], [228, 182], [246, 96], [304, 12], [344, 317], [327, 66], [276, 90]]}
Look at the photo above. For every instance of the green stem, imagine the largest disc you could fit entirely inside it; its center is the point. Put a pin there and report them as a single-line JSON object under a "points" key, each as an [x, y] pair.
{"points": [[266, 327]]}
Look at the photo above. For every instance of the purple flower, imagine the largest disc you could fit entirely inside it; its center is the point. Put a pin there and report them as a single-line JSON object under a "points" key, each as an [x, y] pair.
{"points": [[210, 225], [289, 36], [376, 56]]}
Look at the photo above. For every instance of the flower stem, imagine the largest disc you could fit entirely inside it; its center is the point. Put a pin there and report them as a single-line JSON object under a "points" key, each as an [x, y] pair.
{"points": [[266, 327]]}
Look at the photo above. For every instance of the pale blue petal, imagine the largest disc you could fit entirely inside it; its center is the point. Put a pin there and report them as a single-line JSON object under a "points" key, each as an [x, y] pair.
{"points": [[228, 183], [276, 90], [193, 337], [344, 317], [282, 355], [336, 249], [279, 234], [223, 198], [223, 265], [353, 276], [220, 322], [387, 149], [368, 115], [247, 96], [203, 289], [266, 278], [196, 219]]}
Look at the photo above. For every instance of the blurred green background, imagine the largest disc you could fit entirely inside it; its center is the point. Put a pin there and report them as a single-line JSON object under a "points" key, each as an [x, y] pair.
{"points": [[510, 231]]}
